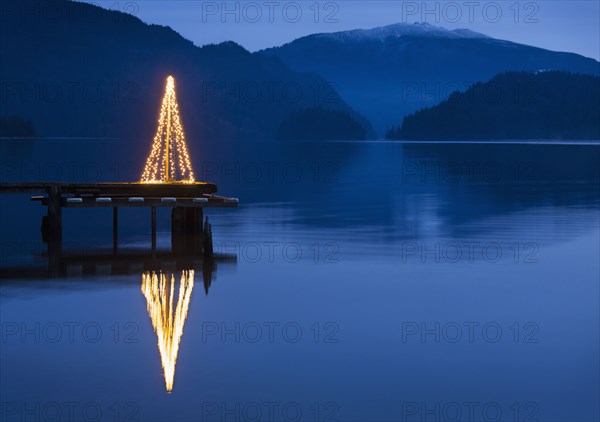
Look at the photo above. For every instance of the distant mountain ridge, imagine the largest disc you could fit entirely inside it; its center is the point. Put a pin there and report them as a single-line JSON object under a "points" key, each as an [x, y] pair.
{"points": [[389, 72], [75, 69], [513, 106]]}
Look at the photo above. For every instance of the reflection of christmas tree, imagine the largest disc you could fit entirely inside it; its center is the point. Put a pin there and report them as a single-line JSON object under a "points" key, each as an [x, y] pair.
{"points": [[168, 321], [169, 160]]}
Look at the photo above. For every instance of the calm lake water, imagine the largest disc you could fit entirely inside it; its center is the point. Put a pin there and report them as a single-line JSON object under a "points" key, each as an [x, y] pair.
{"points": [[357, 281]]}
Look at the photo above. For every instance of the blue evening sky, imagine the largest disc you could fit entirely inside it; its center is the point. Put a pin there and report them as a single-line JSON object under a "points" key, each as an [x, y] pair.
{"points": [[556, 25]]}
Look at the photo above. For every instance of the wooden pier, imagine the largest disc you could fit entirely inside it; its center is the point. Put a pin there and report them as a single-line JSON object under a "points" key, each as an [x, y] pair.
{"points": [[190, 233]]}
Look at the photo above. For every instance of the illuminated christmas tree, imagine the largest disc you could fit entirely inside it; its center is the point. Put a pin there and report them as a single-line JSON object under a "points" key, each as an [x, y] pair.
{"points": [[169, 160]]}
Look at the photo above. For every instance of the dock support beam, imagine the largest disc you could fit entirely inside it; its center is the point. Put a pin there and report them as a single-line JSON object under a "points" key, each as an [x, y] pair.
{"points": [[52, 229], [186, 231], [115, 230], [153, 212], [54, 223]]}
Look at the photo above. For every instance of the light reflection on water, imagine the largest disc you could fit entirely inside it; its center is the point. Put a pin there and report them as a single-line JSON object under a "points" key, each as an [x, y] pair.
{"points": [[168, 319]]}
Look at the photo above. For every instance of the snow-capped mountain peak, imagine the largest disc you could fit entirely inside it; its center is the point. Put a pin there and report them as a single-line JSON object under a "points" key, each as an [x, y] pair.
{"points": [[398, 30]]}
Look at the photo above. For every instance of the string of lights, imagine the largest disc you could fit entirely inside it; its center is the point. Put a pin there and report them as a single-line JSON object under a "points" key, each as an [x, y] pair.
{"points": [[169, 160]]}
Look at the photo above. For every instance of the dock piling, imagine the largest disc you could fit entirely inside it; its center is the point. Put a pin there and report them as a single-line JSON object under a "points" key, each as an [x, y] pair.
{"points": [[153, 223], [186, 230], [54, 221], [115, 230]]}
